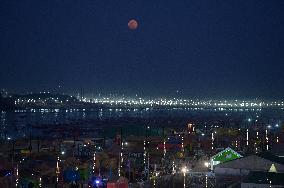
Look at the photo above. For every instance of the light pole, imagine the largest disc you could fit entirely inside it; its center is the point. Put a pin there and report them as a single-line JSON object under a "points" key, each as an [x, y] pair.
{"points": [[94, 163], [17, 175], [57, 171], [120, 156], [247, 137], [13, 153], [184, 170], [164, 150], [266, 138], [212, 141], [173, 167]]}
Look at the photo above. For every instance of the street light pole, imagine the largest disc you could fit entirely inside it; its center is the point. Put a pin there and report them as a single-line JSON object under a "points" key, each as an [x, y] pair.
{"points": [[184, 170], [184, 180], [13, 153]]}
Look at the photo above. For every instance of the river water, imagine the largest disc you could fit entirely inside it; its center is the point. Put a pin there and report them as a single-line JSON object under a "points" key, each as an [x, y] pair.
{"points": [[17, 123]]}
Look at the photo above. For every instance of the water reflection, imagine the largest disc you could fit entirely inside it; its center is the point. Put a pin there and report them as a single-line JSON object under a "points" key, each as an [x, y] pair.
{"points": [[19, 123]]}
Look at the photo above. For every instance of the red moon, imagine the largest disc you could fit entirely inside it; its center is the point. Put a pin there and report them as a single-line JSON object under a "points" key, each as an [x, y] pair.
{"points": [[132, 24]]}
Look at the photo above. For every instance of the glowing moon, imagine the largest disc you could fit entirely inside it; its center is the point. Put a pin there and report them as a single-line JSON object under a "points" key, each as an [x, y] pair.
{"points": [[132, 24]]}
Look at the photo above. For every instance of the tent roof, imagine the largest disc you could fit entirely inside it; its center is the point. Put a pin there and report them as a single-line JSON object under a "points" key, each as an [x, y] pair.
{"points": [[226, 150]]}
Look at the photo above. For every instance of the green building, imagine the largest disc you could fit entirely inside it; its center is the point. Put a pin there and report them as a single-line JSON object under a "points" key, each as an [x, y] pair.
{"points": [[227, 154]]}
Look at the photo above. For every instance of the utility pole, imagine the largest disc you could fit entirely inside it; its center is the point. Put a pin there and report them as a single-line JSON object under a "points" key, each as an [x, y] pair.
{"points": [[148, 174], [13, 153], [164, 149], [120, 156]]}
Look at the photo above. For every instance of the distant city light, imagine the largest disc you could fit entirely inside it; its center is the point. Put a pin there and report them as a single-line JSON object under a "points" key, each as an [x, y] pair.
{"points": [[195, 104]]}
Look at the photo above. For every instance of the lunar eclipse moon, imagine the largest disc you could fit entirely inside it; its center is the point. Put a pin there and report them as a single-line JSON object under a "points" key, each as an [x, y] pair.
{"points": [[132, 24]]}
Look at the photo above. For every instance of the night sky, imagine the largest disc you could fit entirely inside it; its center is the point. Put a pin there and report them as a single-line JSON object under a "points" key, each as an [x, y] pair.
{"points": [[202, 48]]}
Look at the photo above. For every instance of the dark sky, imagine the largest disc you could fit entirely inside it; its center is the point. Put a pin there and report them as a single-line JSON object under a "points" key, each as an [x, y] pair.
{"points": [[218, 48]]}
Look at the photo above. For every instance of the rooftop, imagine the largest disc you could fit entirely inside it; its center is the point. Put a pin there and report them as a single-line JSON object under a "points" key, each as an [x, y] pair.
{"points": [[265, 178]]}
